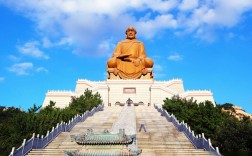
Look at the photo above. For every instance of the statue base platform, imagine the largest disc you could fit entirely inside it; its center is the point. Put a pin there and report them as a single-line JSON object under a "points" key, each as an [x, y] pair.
{"points": [[149, 74], [143, 77], [144, 91]]}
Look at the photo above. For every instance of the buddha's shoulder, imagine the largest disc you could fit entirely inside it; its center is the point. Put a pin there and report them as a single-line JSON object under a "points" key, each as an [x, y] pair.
{"points": [[130, 41]]}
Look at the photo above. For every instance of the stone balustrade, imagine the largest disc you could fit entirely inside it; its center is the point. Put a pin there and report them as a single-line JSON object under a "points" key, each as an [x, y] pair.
{"points": [[40, 142], [199, 141]]}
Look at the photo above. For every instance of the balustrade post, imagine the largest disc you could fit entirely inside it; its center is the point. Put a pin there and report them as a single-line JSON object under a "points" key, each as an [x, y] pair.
{"points": [[36, 147], [209, 140], [23, 145], [209, 143], [47, 136], [33, 136], [203, 137], [52, 131], [64, 127], [12, 151], [217, 150]]}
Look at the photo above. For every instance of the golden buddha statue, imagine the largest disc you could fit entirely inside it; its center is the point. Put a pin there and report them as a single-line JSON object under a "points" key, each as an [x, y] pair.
{"points": [[129, 59]]}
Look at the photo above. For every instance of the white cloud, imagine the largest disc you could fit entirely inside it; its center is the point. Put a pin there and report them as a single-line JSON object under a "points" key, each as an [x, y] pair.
{"points": [[65, 41], [106, 47], [31, 49], [230, 35], [150, 27], [156, 57], [14, 58], [26, 68], [229, 13], [160, 5], [21, 68], [105, 75], [158, 71], [2, 79], [157, 68], [188, 5], [86, 24], [46, 42], [215, 14], [175, 57], [41, 69], [158, 75]]}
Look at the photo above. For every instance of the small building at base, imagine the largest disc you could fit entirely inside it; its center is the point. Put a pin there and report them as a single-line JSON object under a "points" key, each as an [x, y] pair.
{"points": [[141, 91]]}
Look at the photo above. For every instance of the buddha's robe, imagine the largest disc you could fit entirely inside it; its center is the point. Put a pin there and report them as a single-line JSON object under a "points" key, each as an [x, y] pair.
{"points": [[128, 69]]}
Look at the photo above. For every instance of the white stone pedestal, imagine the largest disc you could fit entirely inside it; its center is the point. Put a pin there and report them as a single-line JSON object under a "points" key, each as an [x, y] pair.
{"points": [[145, 91]]}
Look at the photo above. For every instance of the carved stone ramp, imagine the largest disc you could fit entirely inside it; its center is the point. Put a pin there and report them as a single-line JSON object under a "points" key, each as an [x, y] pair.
{"points": [[98, 122], [161, 137]]}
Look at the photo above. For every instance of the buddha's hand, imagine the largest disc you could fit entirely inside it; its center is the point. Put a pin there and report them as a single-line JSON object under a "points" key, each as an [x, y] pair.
{"points": [[128, 59], [136, 62], [115, 71]]}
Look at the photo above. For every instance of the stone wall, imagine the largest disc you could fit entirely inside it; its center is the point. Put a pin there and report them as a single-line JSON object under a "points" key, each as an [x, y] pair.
{"points": [[112, 91], [198, 95], [62, 98]]}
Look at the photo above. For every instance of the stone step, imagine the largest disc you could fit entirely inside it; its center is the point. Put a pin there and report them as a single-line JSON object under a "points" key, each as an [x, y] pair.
{"points": [[165, 147], [145, 150], [121, 152], [175, 154], [161, 139], [164, 143], [87, 147]]}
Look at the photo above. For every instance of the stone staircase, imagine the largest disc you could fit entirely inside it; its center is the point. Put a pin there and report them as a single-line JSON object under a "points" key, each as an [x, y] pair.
{"points": [[98, 122], [161, 138]]}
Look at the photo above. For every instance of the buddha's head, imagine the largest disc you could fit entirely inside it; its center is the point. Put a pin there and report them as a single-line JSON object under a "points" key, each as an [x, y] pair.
{"points": [[130, 33]]}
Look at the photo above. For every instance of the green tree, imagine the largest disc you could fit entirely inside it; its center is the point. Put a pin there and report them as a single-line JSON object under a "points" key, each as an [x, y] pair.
{"points": [[225, 131], [16, 125]]}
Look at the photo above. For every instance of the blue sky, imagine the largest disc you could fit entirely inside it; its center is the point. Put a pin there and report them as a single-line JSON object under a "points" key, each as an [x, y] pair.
{"points": [[48, 45]]}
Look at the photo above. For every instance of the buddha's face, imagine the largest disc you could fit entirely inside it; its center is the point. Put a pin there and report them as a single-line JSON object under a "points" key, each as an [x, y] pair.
{"points": [[131, 34]]}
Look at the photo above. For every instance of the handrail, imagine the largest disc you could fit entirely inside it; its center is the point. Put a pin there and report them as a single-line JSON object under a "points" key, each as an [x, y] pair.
{"points": [[42, 142], [200, 142]]}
